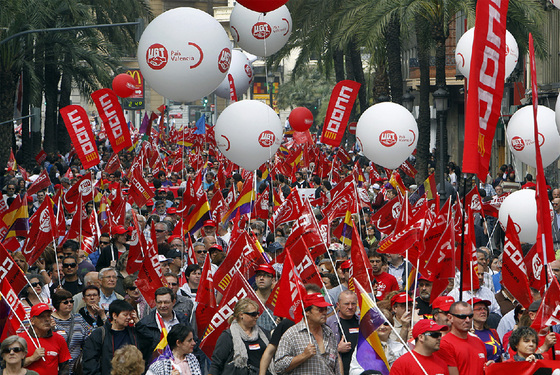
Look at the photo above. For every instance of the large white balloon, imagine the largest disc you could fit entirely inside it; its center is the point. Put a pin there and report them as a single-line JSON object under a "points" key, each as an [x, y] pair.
{"points": [[387, 133], [248, 133], [521, 206], [241, 72], [258, 33], [557, 111], [521, 139], [463, 53], [184, 54], [556, 3]]}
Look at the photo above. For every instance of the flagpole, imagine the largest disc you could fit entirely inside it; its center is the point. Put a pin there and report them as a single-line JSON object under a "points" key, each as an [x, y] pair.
{"points": [[407, 287], [415, 290], [462, 237]]}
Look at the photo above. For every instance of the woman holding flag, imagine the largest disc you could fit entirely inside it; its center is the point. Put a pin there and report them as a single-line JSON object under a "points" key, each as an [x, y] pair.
{"points": [[178, 359]]}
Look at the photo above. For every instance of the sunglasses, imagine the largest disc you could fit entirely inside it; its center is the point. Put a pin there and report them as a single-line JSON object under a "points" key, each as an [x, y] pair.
{"points": [[435, 335], [67, 301], [463, 316], [254, 314], [35, 284], [173, 284], [15, 349], [132, 288], [201, 251], [386, 324], [104, 243], [69, 265], [160, 230]]}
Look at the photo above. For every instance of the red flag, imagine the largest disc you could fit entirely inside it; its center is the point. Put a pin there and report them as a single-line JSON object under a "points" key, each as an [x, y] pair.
{"points": [[150, 277], [205, 298], [340, 105], [12, 164], [218, 206], [232, 92], [83, 188], [408, 169], [303, 261], [346, 199], [473, 200], [41, 157], [535, 268], [77, 122], [113, 164], [290, 291], [42, 233], [262, 204], [42, 182], [3, 210], [385, 219], [140, 191], [361, 267], [112, 115], [289, 210], [440, 266], [544, 233], [549, 310], [522, 368], [239, 288], [10, 271], [17, 310], [307, 228], [514, 271], [243, 256], [137, 244], [470, 266], [486, 85]]}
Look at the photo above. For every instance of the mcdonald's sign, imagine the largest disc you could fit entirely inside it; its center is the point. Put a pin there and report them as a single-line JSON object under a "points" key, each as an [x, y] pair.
{"points": [[136, 100]]}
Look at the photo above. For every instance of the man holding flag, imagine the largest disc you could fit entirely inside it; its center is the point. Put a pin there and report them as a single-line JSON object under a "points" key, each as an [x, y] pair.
{"points": [[309, 347]]}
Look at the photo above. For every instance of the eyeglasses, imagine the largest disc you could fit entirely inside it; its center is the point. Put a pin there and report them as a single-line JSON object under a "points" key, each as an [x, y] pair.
{"points": [[254, 314], [463, 316], [435, 335], [67, 301], [70, 265], [201, 251], [35, 284], [160, 230], [104, 243], [386, 324], [15, 349]]}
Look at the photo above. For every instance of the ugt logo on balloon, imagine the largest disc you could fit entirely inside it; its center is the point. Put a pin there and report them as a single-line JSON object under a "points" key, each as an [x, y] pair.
{"points": [[267, 138], [261, 30], [388, 138], [156, 56], [224, 59], [517, 143]]}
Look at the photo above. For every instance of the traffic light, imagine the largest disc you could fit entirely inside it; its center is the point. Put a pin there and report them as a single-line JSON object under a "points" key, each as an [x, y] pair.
{"points": [[205, 101]]}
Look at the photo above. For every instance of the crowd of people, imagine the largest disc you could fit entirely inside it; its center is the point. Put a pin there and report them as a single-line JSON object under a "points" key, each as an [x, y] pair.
{"points": [[85, 314]]}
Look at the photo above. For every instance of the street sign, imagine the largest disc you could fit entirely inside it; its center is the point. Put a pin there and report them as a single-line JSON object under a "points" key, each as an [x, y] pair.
{"points": [[352, 127]]}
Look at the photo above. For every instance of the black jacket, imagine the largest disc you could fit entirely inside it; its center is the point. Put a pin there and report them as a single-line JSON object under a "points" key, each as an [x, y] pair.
{"points": [[99, 350]]}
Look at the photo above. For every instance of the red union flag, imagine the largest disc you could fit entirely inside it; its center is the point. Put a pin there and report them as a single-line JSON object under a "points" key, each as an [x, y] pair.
{"points": [[42, 233], [486, 86], [42, 182], [514, 270], [111, 114], [342, 100], [77, 122]]}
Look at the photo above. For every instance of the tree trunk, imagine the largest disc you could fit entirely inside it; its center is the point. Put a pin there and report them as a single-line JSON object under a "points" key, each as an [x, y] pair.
{"points": [[51, 79], [441, 139], [358, 70], [393, 47], [423, 146], [8, 84], [64, 141], [339, 65]]}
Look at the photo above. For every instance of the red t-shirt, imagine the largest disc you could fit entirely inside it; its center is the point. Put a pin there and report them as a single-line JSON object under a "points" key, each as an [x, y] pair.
{"points": [[406, 365], [56, 351], [468, 355], [385, 283]]}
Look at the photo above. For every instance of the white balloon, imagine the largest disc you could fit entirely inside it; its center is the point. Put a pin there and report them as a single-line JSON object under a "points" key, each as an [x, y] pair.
{"points": [[521, 206], [463, 53], [242, 73], [557, 111], [184, 54], [387, 133], [248, 133], [556, 3], [259, 33], [521, 139]]}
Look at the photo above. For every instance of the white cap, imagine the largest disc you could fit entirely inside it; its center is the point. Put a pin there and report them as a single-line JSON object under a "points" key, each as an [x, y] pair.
{"points": [[376, 186]]}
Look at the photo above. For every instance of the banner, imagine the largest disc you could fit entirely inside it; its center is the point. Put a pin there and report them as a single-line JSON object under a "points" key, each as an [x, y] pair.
{"points": [[78, 126], [112, 115], [486, 85], [43, 231], [42, 182], [340, 105], [514, 270], [523, 368], [232, 92]]}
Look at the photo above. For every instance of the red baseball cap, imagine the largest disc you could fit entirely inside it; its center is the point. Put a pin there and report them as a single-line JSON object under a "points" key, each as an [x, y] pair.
{"points": [[38, 309], [171, 211], [424, 278], [217, 247], [401, 298], [266, 268], [475, 300], [427, 325], [443, 303], [209, 223], [346, 265], [315, 299], [119, 229]]}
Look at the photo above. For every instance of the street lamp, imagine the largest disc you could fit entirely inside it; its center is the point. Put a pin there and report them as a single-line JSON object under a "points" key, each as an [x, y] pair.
{"points": [[441, 102], [271, 78], [408, 101]]}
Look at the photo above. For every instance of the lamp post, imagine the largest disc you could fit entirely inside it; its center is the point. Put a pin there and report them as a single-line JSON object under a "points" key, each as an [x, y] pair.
{"points": [[408, 101], [271, 78], [441, 103]]}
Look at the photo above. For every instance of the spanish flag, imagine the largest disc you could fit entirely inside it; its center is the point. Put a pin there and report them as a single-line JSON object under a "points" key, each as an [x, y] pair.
{"points": [[244, 203], [198, 215]]}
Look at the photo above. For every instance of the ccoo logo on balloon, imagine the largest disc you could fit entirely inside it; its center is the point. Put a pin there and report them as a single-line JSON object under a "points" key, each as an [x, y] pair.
{"points": [[156, 56]]}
